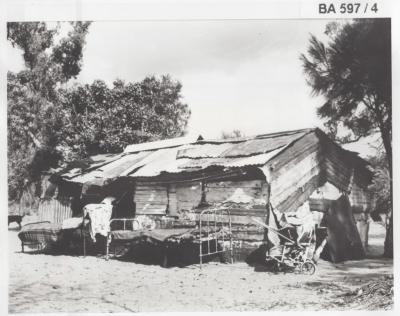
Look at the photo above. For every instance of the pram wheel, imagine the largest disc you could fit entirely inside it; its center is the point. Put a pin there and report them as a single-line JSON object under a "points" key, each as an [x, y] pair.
{"points": [[275, 266], [308, 268]]}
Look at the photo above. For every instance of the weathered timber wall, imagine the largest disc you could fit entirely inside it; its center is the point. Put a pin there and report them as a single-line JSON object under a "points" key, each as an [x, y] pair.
{"points": [[338, 164], [243, 228], [188, 195], [360, 199], [294, 153], [172, 200], [244, 199], [252, 192], [150, 199], [293, 184]]}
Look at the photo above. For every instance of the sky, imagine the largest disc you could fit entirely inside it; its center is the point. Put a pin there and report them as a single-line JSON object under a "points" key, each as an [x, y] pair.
{"points": [[242, 75], [236, 74]]}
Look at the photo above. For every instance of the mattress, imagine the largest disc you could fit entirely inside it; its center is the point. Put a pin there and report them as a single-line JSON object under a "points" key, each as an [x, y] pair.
{"points": [[168, 235], [42, 232]]}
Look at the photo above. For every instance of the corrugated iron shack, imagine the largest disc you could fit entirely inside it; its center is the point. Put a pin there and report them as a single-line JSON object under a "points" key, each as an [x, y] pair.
{"points": [[265, 176]]}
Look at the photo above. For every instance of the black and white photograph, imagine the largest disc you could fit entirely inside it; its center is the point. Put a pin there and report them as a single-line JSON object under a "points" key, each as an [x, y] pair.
{"points": [[200, 165]]}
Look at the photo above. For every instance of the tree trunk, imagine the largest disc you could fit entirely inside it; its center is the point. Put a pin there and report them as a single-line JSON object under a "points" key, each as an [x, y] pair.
{"points": [[388, 248], [386, 138]]}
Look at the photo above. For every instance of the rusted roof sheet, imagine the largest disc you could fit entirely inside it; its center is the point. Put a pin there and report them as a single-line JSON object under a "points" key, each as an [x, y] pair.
{"points": [[91, 163], [243, 148], [160, 161], [112, 169], [231, 153], [177, 155], [234, 162], [166, 143]]}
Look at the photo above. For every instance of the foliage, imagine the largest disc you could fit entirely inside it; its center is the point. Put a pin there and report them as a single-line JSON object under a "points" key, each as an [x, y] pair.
{"points": [[236, 133], [97, 119], [353, 73], [51, 123], [380, 186], [32, 96]]}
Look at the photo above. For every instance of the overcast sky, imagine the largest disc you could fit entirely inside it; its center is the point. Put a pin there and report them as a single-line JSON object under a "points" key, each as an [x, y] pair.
{"points": [[237, 74]]}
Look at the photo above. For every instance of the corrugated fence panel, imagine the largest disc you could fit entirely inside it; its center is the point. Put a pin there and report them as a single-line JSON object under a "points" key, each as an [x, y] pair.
{"points": [[54, 210]]}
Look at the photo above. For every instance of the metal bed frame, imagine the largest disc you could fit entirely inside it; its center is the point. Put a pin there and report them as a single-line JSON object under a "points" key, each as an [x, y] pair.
{"points": [[39, 245], [212, 229], [215, 237], [109, 236]]}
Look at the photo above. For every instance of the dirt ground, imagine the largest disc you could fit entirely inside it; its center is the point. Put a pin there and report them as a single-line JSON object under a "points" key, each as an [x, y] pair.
{"points": [[68, 284]]}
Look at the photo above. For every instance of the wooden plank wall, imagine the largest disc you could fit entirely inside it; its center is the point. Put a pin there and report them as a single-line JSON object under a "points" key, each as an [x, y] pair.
{"points": [[253, 191], [188, 195], [243, 228], [153, 199], [339, 167], [300, 195], [295, 152], [292, 184], [150, 198], [55, 210], [359, 199], [305, 166], [172, 200]]}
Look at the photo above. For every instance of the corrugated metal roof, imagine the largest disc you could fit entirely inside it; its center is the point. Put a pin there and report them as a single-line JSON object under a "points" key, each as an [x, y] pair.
{"points": [[93, 163], [166, 143], [235, 162], [112, 169], [176, 155], [243, 148], [231, 153], [161, 161]]}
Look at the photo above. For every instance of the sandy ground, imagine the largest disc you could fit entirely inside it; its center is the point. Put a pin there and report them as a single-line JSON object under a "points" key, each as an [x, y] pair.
{"points": [[49, 283]]}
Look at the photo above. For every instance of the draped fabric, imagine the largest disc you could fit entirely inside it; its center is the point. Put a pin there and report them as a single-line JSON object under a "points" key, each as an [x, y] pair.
{"points": [[99, 215]]}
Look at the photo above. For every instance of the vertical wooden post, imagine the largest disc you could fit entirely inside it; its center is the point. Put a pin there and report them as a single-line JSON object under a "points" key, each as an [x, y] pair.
{"points": [[83, 236], [108, 246], [203, 199], [268, 215], [231, 237]]}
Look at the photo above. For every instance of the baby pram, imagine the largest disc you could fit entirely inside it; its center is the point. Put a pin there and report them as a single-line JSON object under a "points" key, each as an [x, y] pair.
{"points": [[291, 253]]}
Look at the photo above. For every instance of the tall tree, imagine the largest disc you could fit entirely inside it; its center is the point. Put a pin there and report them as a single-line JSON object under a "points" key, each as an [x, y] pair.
{"points": [[51, 124], [353, 73], [380, 186], [32, 96], [108, 119]]}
